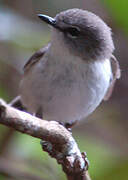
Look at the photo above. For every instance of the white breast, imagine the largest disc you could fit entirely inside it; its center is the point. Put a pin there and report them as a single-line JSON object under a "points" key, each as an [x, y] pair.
{"points": [[66, 91]]}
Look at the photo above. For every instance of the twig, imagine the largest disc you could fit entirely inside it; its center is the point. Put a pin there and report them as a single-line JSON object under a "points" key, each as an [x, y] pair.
{"points": [[16, 102], [60, 143]]}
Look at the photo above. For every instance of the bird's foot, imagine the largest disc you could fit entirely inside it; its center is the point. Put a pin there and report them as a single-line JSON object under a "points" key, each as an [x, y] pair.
{"points": [[68, 126], [46, 146], [51, 150]]}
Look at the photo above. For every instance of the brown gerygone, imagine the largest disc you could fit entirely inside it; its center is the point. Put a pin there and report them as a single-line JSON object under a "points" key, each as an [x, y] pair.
{"points": [[66, 80]]}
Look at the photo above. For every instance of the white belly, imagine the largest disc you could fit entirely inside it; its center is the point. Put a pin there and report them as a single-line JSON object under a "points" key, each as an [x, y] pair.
{"points": [[66, 93]]}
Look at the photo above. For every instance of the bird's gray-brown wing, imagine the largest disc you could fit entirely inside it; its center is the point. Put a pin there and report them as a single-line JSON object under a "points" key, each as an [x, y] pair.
{"points": [[35, 58], [116, 75]]}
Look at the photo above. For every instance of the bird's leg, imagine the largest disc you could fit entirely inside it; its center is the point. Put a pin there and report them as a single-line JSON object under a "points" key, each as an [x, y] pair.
{"points": [[16, 102], [39, 113]]}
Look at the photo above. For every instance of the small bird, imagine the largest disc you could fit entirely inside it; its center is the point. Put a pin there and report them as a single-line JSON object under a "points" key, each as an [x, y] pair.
{"points": [[66, 80]]}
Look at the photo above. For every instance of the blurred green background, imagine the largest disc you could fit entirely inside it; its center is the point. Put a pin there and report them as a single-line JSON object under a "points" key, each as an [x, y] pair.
{"points": [[104, 136]]}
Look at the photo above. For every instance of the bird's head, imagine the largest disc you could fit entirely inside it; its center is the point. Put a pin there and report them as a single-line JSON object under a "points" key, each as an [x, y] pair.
{"points": [[83, 33]]}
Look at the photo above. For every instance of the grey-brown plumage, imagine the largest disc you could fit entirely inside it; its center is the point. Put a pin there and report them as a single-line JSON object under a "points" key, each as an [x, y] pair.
{"points": [[67, 80], [94, 41]]}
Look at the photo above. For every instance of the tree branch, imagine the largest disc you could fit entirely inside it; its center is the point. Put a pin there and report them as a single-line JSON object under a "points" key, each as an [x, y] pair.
{"points": [[59, 141]]}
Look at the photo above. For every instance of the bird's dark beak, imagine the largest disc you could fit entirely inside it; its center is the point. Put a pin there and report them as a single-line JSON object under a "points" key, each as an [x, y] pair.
{"points": [[48, 20]]}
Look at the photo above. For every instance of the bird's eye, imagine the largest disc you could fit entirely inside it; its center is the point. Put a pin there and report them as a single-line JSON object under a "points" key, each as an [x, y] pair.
{"points": [[73, 32]]}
